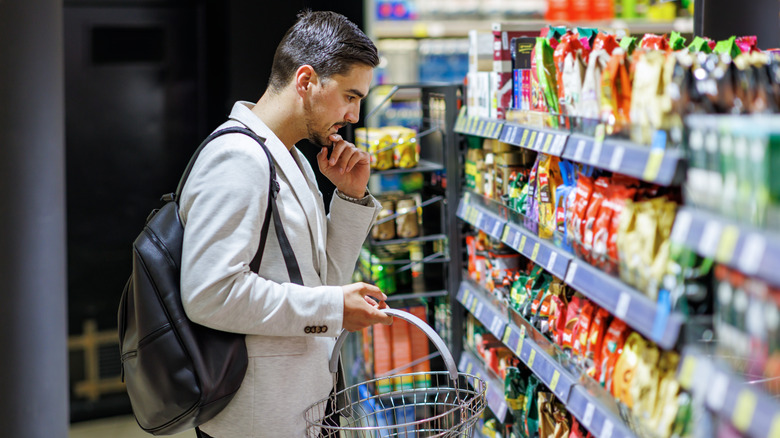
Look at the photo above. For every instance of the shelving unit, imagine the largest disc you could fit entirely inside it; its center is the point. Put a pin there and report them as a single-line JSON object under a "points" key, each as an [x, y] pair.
{"points": [[494, 395], [584, 399]]}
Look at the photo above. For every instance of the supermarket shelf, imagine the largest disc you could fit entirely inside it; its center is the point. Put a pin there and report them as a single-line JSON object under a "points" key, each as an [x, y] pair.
{"points": [[481, 216], [626, 303], [475, 301], [600, 417], [750, 250], [413, 296], [430, 238], [461, 27], [422, 166], [653, 164], [618, 298], [478, 126], [541, 140], [496, 401], [751, 410]]}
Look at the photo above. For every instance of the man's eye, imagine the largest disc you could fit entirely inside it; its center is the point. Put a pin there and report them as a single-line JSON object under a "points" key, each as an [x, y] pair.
{"points": [[350, 99]]}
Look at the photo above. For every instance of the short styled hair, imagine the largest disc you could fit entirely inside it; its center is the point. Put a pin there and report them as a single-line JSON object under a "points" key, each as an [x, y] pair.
{"points": [[327, 41]]}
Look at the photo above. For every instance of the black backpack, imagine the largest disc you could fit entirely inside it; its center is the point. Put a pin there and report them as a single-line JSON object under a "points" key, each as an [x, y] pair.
{"points": [[180, 374]]}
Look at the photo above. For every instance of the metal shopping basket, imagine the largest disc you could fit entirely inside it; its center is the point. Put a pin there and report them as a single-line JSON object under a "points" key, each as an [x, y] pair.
{"points": [[432, 404]]}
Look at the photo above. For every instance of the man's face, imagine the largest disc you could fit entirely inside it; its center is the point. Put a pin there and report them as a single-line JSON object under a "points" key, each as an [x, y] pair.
{"points": [[335, 102]]}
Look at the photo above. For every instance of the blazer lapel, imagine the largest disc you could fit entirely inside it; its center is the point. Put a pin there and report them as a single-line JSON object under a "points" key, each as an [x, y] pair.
{"points": [[285, 165], [319, 215]]}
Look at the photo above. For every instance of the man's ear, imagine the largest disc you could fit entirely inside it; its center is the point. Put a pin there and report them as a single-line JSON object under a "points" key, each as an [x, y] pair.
{"points": [[305, 78]]}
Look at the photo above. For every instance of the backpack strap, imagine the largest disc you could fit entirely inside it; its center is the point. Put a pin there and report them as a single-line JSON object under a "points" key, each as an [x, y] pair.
{"points": [[272, 210]]}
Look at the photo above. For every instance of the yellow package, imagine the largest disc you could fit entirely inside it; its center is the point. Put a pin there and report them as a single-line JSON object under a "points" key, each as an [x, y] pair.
{"points": [[548, 178], [647, 108], [406, 150], [626, 242], [646, 242], [379, 144], [666, 405], [625, 368], [644, 387], [661, 259]]}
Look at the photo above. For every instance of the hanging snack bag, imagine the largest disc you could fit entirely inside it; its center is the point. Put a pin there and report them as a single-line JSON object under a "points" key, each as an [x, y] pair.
{"points": [[543, 83], [530, 210], [573, 310], [647, 98], [562, 202], [549, 178], [666, 405], [582, 329], [616, 92], [625, 368], [606, 42], [629, 44], [569, 45], [620, 194], [590, 105], [594, 346], [676, 41], [644, 387], [530, 420], [701, 44], [654, 42]]}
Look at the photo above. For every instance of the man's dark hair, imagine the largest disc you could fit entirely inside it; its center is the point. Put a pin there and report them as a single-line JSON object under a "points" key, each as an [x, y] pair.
{"points": [[327, 41]]}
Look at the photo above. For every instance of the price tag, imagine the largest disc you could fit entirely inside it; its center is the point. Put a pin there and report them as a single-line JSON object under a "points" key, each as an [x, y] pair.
{"points": [[709, 238], [551, 261], [595, 153], [727, 244], [587, 417], [622, 305], [507, 334], [752, 254], [540, 141], [472, 124], [535, 251], [516, 243], [511, 132], [744, 410], [653, 166], [495, 325], [497, 130], [524, 138], [469, 367], [532, 139], [682, 225], [531, 358], [579, 151], [554, 382], [481, 127], [474, 302], [560, 144], [520, 340], [547, 143], [606, 429], [505, 234], [478, 310], [570, 273], [420, 30], [717, 392], [521, 247], [496, 228], [687, 371], [617, 158]]}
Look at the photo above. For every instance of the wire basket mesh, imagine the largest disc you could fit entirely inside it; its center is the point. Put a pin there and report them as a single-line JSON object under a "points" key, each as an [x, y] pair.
{"points": [[419, 405]]}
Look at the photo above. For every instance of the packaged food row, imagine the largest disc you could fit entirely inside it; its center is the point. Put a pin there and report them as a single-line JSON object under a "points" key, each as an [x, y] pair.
{"points": [[616, 223], [389, 146], [407, 222], [731, 163], [586, 10]]}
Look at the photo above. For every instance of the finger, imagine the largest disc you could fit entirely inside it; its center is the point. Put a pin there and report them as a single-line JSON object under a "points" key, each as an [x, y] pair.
{"points": [[353, 160], [385, 318], [371, 301], [322, 157], [338, 146], [373, 291]]}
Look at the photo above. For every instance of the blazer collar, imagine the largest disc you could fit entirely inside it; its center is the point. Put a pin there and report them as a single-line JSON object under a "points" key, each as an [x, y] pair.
{"points": [[286, 165]]}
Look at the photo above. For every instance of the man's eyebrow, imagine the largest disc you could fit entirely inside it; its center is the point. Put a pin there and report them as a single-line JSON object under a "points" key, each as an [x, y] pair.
{"points": [[356, 93]]}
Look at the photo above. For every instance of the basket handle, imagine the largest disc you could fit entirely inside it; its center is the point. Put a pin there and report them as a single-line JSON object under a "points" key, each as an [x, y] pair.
{"points": [[449, 362]]}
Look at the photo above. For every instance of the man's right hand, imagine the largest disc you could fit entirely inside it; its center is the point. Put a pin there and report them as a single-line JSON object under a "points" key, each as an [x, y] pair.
{"points": [[360, 310]]}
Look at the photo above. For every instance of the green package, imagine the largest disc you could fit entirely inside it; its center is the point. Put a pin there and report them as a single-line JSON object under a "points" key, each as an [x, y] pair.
{"points": [[729, 47], [629, 43], [676, 41], [531, 414], [699, 44], [545, 70]]}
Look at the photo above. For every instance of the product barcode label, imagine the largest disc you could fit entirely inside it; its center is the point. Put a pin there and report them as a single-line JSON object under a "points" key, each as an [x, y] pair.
{"points": [[622, 305], [551, 261], [617, 158], [587, 417], [579, 151], [752, 254], [606, 429]]}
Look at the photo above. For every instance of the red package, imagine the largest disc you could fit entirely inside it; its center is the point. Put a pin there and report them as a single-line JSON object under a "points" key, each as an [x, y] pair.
{"points": [[577, 431], [582, 329], [611, 348], [557, 10], [566, 338], [620, 194], [581, 201], [747, 44], [607, 42], [570, 43], [654, 42], [603, 9], [589, 220], [598, 329], [557, 320], [581, 10], [601, 230], [616, 87]]}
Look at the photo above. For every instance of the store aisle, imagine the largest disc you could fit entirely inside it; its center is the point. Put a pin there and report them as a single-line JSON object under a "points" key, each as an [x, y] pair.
{"points": [[114, 427]]}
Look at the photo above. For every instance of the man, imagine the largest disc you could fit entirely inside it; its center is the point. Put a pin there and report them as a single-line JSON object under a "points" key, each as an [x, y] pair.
{"points": [[321, 71]]}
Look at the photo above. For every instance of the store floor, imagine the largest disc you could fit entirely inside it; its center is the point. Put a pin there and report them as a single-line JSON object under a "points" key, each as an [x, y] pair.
{"points": [[114, 427]]}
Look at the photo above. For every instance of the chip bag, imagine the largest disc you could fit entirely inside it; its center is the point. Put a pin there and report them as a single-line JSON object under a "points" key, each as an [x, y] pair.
{"points": [[611, 349]]}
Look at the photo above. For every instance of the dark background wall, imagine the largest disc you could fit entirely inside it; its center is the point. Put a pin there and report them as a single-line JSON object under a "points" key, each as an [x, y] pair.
{"points": [[145, 82]]}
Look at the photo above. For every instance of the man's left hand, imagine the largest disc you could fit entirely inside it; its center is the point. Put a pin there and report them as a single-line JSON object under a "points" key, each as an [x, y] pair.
{"points": [[348, 168]]}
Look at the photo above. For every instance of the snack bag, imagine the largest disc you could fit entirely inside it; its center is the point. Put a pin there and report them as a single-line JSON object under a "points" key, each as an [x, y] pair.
{"points": [[747, 44], [620, 194], [616, 92], [531, 417], [562, 192], [611, 349], [543, 82], [666, 405], [601, 230], [582, 329], [647, 95], [654, 42], [644, 387], [571, 82], [573, 309], [629, 44], [606, 42], [558, 310], [676, 41], [701, 44], [658, 268], [590, 105], [530, 209], [728, 47], [594, 346], [569, 45], [549, 178], [584, 192], [625, 368], [600, 187]]}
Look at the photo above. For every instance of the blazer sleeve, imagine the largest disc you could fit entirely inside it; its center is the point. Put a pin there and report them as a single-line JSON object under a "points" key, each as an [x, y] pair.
{"points": [[223, 206], [348, 226]]}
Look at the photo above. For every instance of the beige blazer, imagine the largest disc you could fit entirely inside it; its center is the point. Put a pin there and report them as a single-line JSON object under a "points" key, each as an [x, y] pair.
{"points": [[290, 328]]}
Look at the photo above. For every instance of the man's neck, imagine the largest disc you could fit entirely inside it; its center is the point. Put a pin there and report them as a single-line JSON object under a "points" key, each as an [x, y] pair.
{"points": [[275, 111]]}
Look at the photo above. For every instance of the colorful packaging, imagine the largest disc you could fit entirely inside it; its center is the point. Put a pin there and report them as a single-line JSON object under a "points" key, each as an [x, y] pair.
{"points": [[582, 330], [590, 101], [379, 144], [654, 42], [594, 345], [611, 349], [606, 42], [584, 192], [620, 195], [563, 202], [573, 309], [625, 368], [600, 187], [569, 45], [548, 179], [406, 152], [616, 92], [543, 81]]}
